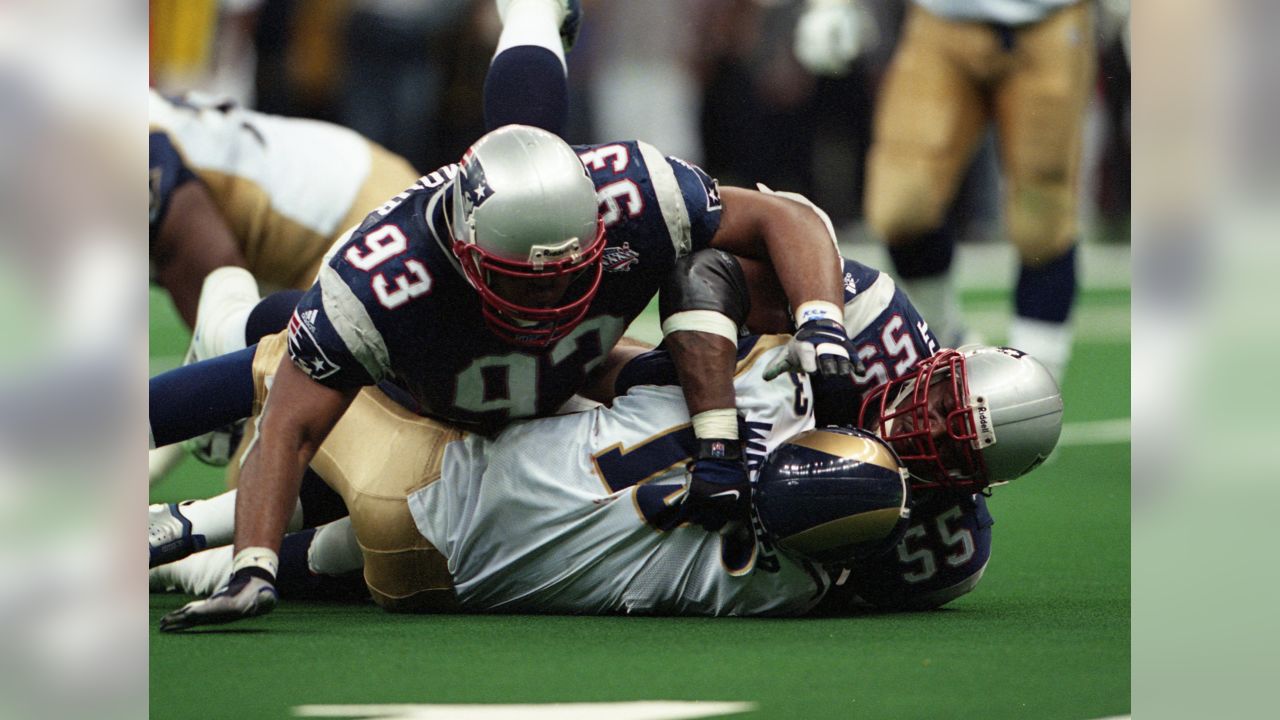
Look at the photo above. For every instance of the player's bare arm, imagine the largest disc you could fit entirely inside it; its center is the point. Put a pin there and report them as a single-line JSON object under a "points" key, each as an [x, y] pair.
{"points": [[192, 241], [777, 233], [298, 415]]}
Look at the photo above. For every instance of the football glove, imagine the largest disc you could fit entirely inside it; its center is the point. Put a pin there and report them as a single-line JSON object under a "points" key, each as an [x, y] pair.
{"points": [[250, 592], [819, 346], [828, 37], [719, 491]]}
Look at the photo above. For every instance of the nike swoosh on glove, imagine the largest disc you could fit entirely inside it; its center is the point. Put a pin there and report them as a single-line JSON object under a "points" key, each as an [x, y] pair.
{"points": [[719, 492], [249, 593], [819, 346]]}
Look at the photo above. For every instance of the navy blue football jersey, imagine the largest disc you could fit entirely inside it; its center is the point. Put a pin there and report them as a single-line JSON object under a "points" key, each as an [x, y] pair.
{"points": [[942, 557], [889, 338], [392, 305]]}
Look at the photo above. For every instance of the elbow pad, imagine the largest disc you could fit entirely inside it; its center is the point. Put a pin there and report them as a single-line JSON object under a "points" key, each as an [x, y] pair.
{"points": [[705, 292]]}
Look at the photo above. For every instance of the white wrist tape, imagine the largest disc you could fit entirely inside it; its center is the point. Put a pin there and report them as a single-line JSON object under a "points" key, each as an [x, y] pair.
{"points": [[818, 310], [707, 321], [721, 424], [261, 557]]}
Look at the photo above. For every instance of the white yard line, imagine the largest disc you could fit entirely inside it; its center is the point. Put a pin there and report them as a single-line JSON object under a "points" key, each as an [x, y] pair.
{"points": [[640, 710], [1096, 432]]}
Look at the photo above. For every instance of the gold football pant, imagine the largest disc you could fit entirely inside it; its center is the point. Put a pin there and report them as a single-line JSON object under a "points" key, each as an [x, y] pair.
{"points": [[946, 82], [375, 457]]}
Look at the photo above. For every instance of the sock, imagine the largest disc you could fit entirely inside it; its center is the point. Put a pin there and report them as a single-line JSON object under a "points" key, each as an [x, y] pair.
{"points": [[531, 22], [199, 574], [927, 255], [215, 518], [270, 315], [192, 400], [334, 549], [226, 299], [526, 85], [1049, 342], [296, 579], [923, 266], [1047, 292], [939, 304]]}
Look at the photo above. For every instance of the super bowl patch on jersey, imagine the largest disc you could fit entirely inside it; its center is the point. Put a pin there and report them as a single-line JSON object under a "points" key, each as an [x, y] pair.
{"points": [[620, 259]]}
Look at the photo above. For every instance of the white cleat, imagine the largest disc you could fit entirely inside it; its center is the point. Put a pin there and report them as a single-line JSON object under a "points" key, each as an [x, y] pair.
{"points": [[169, 535], [569, 13]]}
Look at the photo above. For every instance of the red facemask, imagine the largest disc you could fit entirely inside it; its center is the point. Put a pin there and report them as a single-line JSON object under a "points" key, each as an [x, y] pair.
{"points": [[526, 325], [938, 443]]}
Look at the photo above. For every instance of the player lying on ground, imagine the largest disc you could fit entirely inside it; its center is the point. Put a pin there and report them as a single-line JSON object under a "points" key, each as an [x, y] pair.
{"points": [[414, 568]]}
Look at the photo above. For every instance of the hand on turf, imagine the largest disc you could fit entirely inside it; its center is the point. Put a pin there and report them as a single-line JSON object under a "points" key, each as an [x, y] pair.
{"points": [[718, 492], [819, 346], [249, 593]]}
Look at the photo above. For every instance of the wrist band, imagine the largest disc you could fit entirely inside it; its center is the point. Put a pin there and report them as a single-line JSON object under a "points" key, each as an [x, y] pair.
{"points": [[720, 423], [258, 557], [818, 310]]}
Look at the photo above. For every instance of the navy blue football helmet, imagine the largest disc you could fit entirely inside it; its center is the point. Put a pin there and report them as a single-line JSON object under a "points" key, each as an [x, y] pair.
{"points": [[833, 496]]}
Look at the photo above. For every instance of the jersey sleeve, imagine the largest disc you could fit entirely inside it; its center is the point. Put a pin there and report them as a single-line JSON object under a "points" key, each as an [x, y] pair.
{"points": [[700, 194], [317, 347], [168, 172], [941, 558]]}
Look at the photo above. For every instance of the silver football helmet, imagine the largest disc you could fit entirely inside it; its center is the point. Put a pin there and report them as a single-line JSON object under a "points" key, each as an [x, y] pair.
{"points": [[525, 208], [969, 418]]}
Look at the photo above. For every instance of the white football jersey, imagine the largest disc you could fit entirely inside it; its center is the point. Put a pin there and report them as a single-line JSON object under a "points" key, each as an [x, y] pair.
{"points": [[564, 514], [305, 170]]}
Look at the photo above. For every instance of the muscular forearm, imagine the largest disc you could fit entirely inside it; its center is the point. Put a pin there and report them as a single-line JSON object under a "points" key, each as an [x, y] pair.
{"points": [[298, 415], [704, 363], [807, 265]]}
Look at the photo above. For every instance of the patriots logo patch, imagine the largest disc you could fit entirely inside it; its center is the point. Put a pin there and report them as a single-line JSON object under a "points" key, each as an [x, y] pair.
{"points": [[475, 187], [305, 350], [620, 259], [709, 184]]}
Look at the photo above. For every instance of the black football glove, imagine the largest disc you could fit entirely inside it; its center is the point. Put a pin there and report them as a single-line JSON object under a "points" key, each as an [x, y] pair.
{"points": [[250, 592], [819, 346], [719, 491]]}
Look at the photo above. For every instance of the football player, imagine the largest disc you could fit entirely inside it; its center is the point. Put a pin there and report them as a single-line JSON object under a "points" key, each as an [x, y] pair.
{"points": [[1025, 65], [581, 513], [243, 201], [891, 338]]}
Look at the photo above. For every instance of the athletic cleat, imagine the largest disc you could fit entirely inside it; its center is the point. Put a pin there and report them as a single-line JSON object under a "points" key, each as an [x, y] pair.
{"points": [[571, 24], [169, 534]]}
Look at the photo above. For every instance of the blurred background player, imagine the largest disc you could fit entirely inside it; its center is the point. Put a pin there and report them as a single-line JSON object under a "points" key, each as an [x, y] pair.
{"points": [[235, 187], [1027, 67]]}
